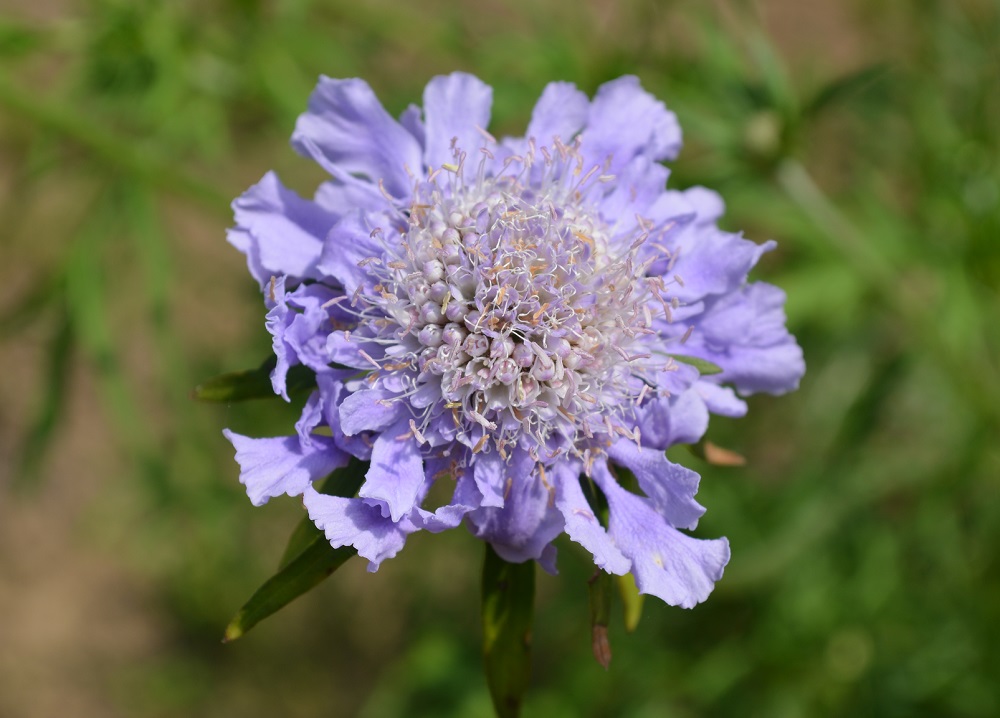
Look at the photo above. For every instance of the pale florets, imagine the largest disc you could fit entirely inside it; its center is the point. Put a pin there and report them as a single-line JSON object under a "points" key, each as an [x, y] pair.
{"points": [[506, 303]]}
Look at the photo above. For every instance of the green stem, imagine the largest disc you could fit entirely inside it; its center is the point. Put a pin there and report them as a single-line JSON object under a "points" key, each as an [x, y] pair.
{"points": [[508, 604]]}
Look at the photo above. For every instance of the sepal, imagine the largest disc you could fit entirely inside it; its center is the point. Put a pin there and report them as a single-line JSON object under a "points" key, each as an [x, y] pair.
{"points": [[632, 601], [599, 589], [253, 384], [704, 367]]}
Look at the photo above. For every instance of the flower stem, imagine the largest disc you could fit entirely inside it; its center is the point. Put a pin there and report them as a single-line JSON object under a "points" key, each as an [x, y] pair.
{"points": [[508, 605]]}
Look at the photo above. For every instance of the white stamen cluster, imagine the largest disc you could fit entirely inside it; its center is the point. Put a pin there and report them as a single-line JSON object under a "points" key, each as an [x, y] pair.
{"points": [[506, 304]]}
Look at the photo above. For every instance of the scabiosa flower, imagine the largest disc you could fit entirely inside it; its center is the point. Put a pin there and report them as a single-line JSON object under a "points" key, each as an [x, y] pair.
{"points": [[506, 317]]}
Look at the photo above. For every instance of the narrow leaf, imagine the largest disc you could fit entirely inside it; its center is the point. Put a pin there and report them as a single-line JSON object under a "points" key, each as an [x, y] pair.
{"points": [[508, 604], [631, 599], [308, 559], [304, 536], [252, 384], [704, 367], [308, 569]]}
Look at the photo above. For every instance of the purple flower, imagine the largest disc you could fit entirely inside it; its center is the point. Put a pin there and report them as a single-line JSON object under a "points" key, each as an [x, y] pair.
{"points": [[513, 315]]}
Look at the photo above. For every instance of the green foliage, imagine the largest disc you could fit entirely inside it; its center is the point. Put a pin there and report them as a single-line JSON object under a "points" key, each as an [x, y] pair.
{"points": [[315, 563], [864, 577]]}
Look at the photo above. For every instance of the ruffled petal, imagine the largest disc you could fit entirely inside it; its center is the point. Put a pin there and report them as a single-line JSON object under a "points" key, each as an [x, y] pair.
{"points": [[465, 498], [704, 261], [528, 521], [679, 378], [347, 124], [332, 391], [673, 414], [396, 475], [713, 262], [369, 410], [282, 465], [638, 185], [352, 522], [560, 112], [350, 242], [625, 121], [279, 232], [296, 321], [490, 472], [675, 419], [721, 400], [312, 414], [277, 320], [348, 194], [582, 525], [548, 559], [666, 563], [412, 120], [348, 349], [697, 205], [745, 334], [456, 106], [670, 486]]}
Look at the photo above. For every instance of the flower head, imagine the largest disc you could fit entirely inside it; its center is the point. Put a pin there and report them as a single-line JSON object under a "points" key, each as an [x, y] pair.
{"points": [[507, 316]]}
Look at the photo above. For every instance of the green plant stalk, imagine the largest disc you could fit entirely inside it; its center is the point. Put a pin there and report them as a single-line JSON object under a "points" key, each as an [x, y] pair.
{"points": [[508, 605]]}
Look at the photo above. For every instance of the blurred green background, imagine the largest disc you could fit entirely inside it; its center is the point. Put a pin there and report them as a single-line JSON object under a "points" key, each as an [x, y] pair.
{"points": [[865, 527]]}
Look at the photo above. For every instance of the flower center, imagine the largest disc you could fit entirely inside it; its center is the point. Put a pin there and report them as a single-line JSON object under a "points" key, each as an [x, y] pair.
{"points": [[507, 304]]}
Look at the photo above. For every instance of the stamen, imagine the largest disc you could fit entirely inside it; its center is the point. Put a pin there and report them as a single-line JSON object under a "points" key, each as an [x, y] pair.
{"points": [[416, 433], [367, 357]]}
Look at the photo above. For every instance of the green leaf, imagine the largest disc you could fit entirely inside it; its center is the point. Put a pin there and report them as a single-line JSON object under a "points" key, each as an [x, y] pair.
{"points": [[508, 604], [600, 615], [704, 367], [253, 384], [304, 535], [308, 569], [631, 599], [308, 559]]}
